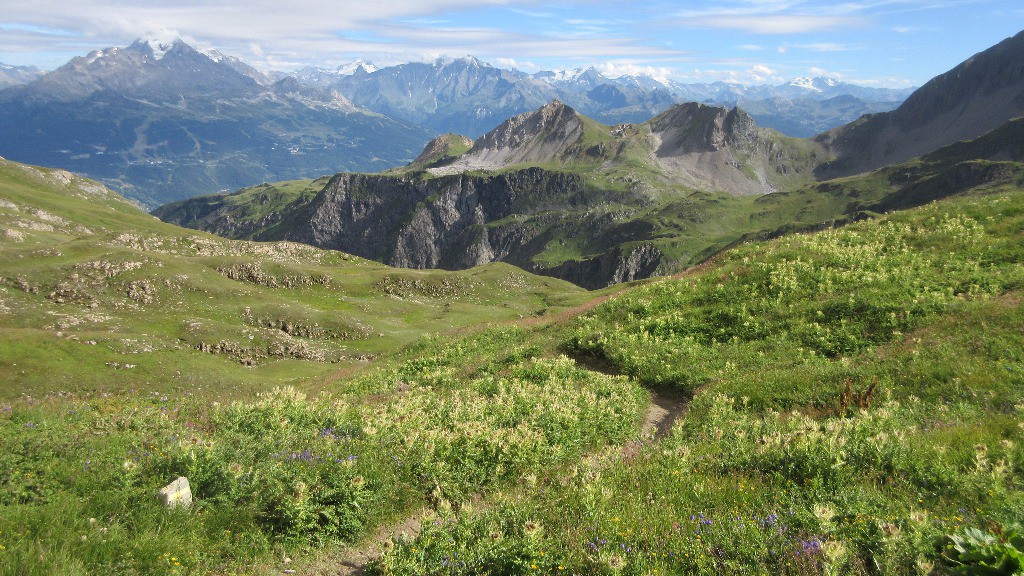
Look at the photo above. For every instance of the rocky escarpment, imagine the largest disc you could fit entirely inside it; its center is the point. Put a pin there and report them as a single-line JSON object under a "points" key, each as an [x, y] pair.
{"points": [[457, 222], [449, 222], [612, 267]]}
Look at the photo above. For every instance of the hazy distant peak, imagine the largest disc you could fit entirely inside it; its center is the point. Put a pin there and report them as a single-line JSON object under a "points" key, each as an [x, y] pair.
{"points": [[156, 47], [570, 76], [471, 61], [8, 67], [354, 67], [817, 84]]}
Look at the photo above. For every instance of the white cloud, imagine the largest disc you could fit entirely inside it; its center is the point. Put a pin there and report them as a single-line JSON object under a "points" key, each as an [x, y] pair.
{"points": [[815, 71], [818, 47], [776, 24], [525, 66], [616, 69], [759, 73], [826, 47], [756, 74]]}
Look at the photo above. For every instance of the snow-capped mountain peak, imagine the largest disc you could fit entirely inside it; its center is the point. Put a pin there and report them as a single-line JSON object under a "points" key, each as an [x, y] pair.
{"points": [[159, 48], [804, 82], [161, 45], [817, 84], [155, 48], [353, 67], [648, 81], [574, 75], [471, 61]]}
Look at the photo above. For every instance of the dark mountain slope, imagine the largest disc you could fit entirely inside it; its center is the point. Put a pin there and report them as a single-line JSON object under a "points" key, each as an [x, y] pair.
{"points": [[979, 95]]}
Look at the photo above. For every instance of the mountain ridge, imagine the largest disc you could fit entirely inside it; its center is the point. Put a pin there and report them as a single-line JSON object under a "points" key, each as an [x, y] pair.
{"points": [[554, 192], [435, 95], [690, 145], [978, 95]]}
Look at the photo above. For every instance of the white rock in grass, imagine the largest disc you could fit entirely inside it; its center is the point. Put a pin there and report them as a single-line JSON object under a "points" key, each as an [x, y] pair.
{"points": [[177, 493]]}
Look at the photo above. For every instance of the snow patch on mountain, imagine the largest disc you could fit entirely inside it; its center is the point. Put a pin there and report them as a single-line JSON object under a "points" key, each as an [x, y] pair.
{"points": [[160, 47], [574, 76], [213, 55], [813, 84], [446, 61], [97, 54], [353, 67]]}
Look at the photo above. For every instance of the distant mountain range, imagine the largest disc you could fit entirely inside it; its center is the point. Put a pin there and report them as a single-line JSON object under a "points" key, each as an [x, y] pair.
{"points": [[15, 75], [160, 122], [164, 121], [466, 96], [561, 194]]}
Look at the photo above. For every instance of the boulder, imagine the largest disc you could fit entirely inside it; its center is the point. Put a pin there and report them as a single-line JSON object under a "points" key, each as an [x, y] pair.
{"points": [[177, 493]]}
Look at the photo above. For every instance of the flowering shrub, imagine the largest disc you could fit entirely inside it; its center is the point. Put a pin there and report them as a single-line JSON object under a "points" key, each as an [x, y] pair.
{"points": [[286, 470]]}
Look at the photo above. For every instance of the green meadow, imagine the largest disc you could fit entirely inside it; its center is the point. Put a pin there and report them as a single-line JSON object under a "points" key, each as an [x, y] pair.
{"points": [[841, 402]]}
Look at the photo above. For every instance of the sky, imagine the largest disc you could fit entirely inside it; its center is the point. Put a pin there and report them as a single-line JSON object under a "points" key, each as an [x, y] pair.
{"points": [[893, 43]]}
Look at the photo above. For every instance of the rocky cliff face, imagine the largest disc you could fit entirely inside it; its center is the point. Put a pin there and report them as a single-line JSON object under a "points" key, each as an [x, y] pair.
{"points": [[613, 267], [451, 222]]}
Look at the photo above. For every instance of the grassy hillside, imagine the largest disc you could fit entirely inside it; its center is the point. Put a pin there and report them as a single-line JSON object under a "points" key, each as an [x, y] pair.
{"points": [[857, 403], [96, 294], [844, 402]]}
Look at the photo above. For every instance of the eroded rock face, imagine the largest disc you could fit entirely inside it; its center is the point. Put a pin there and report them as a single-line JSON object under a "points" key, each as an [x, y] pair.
{"points": [[446, 222], [359, 214], [612, 267], [715, 148], [465, 220]]}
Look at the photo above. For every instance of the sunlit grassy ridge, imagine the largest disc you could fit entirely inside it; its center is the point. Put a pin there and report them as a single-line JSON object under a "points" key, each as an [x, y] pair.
{"points": [[809, 298]]}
